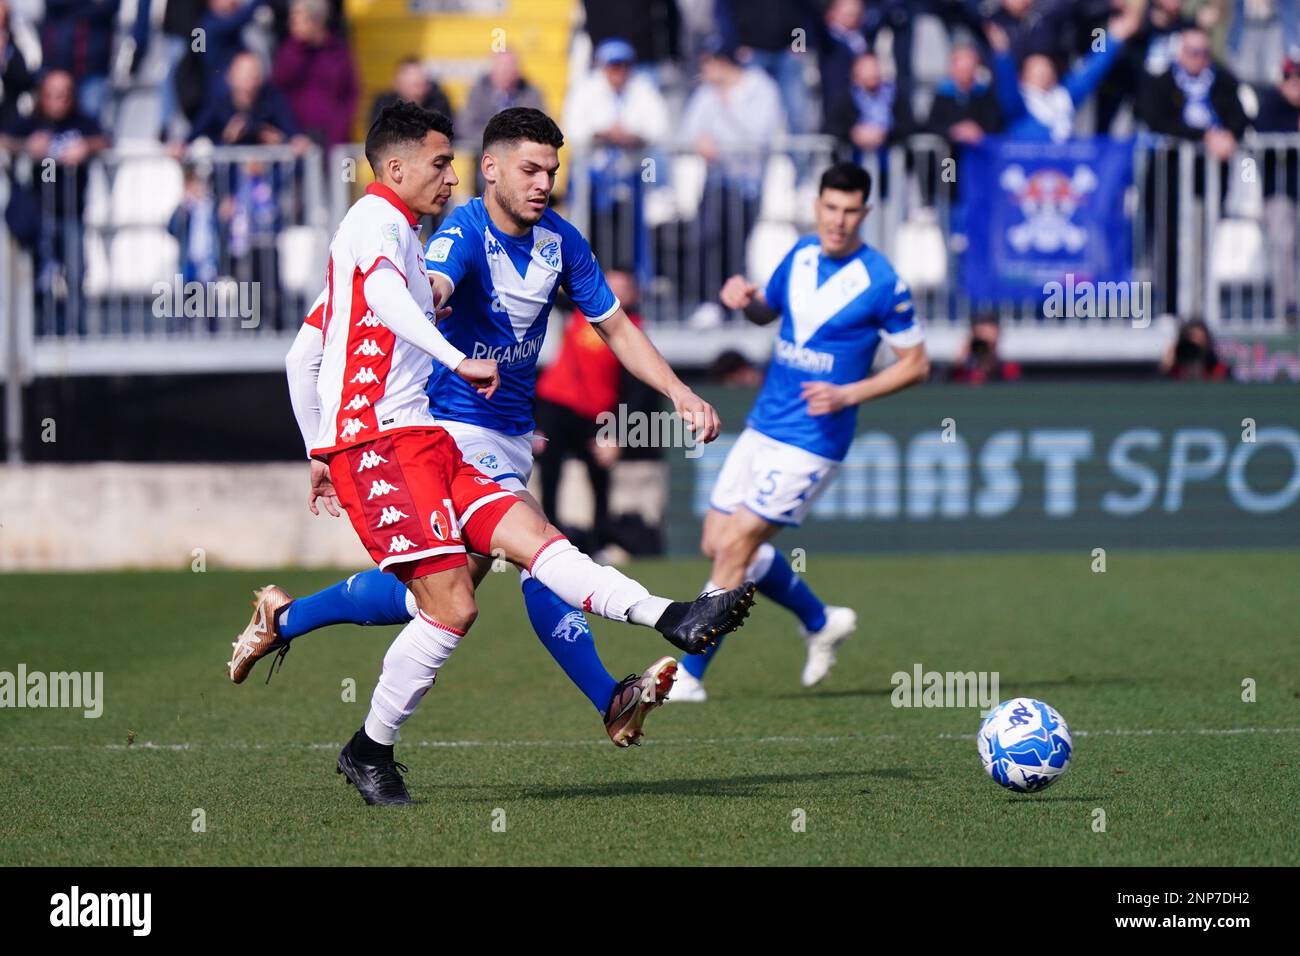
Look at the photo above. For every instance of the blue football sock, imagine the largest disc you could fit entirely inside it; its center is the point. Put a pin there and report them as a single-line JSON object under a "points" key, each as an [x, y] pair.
{"points": [[564, 632], [782, 585], [697, 664], [371, 597], [777, 580]]}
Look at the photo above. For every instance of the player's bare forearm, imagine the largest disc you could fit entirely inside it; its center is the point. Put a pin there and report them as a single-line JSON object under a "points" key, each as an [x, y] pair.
{"points": [[637, 353], [913, 366], [639, 356]]}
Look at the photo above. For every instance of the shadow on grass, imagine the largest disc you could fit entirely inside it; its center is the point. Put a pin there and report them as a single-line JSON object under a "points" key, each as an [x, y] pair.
{"points": [[1003, 687], [736, 786]]}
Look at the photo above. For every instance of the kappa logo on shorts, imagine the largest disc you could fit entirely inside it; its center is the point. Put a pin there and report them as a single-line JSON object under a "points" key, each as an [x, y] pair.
{"points": [[371, 459], [439, 525], [400, 543], [391, 515], [571, 627], [380, 488]]}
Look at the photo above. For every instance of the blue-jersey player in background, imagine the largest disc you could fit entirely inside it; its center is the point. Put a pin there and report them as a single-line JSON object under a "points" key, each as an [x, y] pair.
{"points": [[836, 299], [496, 263]]}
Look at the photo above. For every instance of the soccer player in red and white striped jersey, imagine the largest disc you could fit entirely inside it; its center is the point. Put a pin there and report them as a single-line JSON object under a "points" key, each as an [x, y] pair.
{"points": [[413, 500]]}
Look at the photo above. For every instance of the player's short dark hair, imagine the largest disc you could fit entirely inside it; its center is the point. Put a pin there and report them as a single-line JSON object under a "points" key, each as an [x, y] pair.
{"points": [[521, 124], [402, 124], [846, 177]]}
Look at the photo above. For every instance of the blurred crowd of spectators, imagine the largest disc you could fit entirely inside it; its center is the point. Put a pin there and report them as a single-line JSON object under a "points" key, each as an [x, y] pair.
{"points": [[722, 77]]}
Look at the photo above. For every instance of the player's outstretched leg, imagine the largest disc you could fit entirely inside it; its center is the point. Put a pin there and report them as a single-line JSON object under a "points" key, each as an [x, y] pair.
{"points": [[368, 597], [564, 632], [410, 669], [527, 539]]}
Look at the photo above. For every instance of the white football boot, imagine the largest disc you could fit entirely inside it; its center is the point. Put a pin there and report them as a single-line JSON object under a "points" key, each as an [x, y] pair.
{"points": [[688, 689], [840, 623]]}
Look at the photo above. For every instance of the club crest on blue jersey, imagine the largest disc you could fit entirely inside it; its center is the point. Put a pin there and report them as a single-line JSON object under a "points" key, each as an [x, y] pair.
{"points": [[549, 249]]}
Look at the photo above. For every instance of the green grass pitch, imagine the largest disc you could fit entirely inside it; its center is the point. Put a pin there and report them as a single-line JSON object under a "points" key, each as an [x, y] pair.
{"points": [[1145, 662]]}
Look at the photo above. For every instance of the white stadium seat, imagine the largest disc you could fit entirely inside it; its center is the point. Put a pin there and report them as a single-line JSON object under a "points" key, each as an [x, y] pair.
{"points": [[303, 253], [95, 281], [146, 191], [779, 182], [920, 254], [768, 243], [1237, 253], [141, 256]]}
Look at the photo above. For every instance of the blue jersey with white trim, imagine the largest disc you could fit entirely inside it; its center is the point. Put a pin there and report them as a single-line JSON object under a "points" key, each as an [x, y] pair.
{"points": [[834, 313], [503, 290]]}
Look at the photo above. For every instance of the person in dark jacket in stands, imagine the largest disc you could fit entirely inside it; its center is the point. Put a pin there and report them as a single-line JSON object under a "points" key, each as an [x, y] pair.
{"points": [[77, 37], [873, 112], [314, 72], [964, 109], [412, 83], [1279, 112], [1195, 99], [843, 40], [247, 111], [15, 78], [653, 27]]}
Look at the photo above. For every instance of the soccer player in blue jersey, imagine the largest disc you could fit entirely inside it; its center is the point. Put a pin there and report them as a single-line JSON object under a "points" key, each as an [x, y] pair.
{"points": [[836, 299], [496, 264]]}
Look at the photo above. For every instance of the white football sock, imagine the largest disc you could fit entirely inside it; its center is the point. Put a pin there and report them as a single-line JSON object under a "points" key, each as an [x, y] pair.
{"points": [[583, 583], [410, 667], [708, 586], [762, 562], [412, 608]]}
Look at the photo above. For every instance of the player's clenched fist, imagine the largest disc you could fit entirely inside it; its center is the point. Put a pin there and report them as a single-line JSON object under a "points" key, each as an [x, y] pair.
{"points": [[738, 292], [481, 373]]}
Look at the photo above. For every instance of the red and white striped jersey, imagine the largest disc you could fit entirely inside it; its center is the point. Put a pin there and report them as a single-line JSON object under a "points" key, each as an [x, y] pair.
{"points": [[371, 381]]}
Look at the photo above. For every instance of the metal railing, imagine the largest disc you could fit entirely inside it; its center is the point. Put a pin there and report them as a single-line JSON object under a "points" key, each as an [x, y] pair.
{"points": [[142, 263]]}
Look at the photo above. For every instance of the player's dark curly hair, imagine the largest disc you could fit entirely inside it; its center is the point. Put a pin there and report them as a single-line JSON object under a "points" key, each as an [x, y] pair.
{"points": [[401, 124], [521, 124], [848, 178]]}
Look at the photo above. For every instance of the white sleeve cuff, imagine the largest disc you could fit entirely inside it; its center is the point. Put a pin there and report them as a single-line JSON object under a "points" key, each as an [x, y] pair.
{"points": [[905, 339]]}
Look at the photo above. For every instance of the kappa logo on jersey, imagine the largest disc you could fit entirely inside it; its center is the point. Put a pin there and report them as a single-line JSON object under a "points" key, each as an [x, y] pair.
{"points": [[371, 459], [493, 248], [570, 627], [380, 488], [548, 247], [358, 402], [452, 231], [369, 347], [438, 524], [399, 544], [439, 250], [369, 320], [901, 289], [364, 376], [391, 515], [351, 428]]}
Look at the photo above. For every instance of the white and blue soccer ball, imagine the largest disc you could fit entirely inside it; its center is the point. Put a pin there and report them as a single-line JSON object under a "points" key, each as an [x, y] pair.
{"points": [[1025, 745]]}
